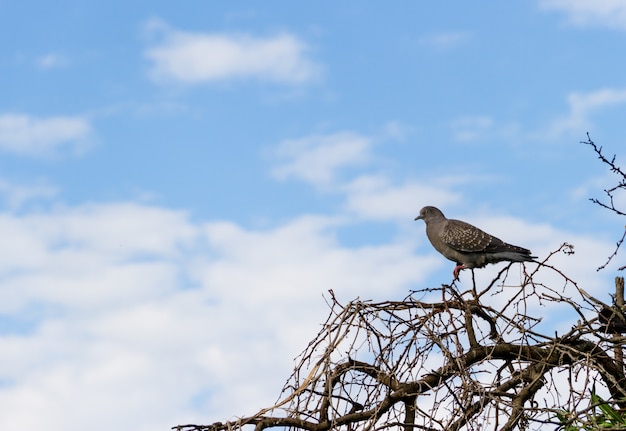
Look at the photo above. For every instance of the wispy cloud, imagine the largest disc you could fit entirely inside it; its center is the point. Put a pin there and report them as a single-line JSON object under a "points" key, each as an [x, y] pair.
{"points": [[581, 108], [317, 159], [604, 13], [31, 136], [375, 197], [193, 58], [16, 195], [578, 119], [344, 164]]}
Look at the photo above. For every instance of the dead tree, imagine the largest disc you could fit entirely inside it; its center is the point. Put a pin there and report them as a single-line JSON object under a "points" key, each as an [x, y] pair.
{"points": [[450, 359]]}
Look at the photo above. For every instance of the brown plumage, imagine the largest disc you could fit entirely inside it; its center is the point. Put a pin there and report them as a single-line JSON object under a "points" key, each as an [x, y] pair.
{"points": [[467, 245]]}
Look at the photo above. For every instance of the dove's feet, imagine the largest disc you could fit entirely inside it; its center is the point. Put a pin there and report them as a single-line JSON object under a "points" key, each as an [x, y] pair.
{"points": [[458, 269]]}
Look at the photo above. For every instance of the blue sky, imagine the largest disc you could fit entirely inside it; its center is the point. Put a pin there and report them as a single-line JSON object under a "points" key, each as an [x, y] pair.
{"points": [[181, 183]]}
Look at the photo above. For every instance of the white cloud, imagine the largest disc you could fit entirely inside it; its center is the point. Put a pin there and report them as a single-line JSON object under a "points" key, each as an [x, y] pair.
{"points": [[16, 195], [581, 108], [374, 197], [134, 317], [89, 255], [605, 13], [26, 135], [69, 273], [335, 164], [193, 58], [317, 159]]}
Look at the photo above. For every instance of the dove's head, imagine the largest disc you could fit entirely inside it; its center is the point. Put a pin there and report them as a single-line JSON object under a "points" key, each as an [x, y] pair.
{"points": [[430, 213]]}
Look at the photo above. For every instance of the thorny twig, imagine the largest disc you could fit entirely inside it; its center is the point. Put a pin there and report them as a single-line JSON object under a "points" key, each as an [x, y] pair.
{"points": [[610, 194]]}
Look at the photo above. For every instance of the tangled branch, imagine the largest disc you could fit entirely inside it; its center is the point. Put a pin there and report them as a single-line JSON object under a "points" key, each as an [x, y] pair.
{"points": [[472, 359]]}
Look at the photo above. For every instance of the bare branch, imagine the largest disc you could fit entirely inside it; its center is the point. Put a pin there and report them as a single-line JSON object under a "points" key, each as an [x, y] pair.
{"points": [[472, 359], [621, 185]]}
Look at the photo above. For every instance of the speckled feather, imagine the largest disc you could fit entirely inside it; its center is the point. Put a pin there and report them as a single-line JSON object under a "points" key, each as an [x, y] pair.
{"points": [[467, 238], [467, 245]]}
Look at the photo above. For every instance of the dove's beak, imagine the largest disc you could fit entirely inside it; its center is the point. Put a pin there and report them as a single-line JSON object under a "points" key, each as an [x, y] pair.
{"points": [[419, 217]]}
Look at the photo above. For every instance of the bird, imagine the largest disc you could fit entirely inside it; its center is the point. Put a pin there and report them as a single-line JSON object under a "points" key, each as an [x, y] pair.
{"points": [[466, 245]]}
